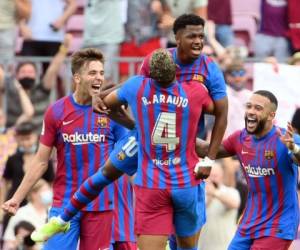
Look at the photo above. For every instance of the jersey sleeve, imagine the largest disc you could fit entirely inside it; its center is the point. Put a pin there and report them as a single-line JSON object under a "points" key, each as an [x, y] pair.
{"points": [[215, 82], [231, 142], [127, 92], [49, 129], [206, 100]]}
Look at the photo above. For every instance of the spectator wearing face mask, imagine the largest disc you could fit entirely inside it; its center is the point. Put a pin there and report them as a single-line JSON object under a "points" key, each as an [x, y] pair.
{"points": [[37, 90], [238, 94], [20, 162], [35, 212]]}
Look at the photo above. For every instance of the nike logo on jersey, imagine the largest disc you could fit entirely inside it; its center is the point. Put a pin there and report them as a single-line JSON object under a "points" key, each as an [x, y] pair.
{"points": [[244, 152], [66, 123]]}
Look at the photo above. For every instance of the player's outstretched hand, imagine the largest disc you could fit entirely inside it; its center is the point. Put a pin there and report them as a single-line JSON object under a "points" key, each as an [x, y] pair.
{"points": [[98, 105], [203, 168], [11, 206], [287, 138]]}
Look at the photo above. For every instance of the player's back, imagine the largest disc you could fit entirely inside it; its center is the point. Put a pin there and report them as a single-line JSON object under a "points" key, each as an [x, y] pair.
{"points": [[167, 120]]}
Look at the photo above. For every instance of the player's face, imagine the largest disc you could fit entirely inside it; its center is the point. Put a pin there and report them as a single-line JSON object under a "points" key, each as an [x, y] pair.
{"points": [[91, 78], [190, 41], [258, 113]]}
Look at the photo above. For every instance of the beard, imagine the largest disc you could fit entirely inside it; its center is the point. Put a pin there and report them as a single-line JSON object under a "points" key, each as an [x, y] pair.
{"points": [[259, 127]]}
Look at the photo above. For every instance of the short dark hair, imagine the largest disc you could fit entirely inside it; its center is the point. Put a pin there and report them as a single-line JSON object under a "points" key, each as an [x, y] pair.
{"points": [[268, 95], [80, 57], [25, 128], [21, 64], [187, 19], [162, 66], [296, 120]]}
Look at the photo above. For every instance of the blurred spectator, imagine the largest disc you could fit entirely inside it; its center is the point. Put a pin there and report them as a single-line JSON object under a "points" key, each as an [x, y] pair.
{"points": [[38, 91], [35, 212], [104, 29], [22, 233], [175, 8], [20, 162], [142, 33], [219, 12], [294, 23], [271, 39], [295, 59], [43, 33], [222, 204], [236, 78], [296, 121], [11, 11]]}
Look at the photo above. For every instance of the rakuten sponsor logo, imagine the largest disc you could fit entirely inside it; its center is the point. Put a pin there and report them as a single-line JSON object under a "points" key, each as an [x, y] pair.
{"points": [[77, 139], [259, 171]]}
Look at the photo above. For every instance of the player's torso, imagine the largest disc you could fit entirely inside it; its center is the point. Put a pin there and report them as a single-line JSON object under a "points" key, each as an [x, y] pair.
{"points": [[167, 122], [271, 178], [84, 142]]}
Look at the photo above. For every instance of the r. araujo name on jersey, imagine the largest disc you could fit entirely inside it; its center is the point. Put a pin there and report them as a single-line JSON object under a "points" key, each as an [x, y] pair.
{"points": [[78, 139], [258, 171], [179, 101]]}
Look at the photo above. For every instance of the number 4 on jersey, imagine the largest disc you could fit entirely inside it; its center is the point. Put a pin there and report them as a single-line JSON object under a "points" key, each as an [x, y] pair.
{"points": [[164, 132]]}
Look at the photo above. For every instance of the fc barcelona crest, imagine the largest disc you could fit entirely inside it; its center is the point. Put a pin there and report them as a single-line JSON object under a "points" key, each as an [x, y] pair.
{"points": [[269, 154], [198, 78], [121, 156], [102, 122]]}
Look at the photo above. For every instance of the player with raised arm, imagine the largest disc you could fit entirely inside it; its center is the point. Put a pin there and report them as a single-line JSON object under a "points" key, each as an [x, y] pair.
{"points": [[269, 156], [166, 156], [83, 140]]}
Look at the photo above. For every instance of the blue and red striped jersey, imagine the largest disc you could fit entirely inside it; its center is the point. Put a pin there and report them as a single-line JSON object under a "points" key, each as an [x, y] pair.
{"points": [[166, 120], [123, 223], [83, 140], [272, 203], [203, 70]]}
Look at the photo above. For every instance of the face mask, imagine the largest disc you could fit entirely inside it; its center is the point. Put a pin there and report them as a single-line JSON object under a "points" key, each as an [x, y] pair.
{"points": [[30, 150], [27, 82], [46, 197]]}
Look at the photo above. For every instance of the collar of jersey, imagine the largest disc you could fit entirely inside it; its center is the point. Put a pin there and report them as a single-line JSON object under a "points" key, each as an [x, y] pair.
{"points": [[77, 104], [269, 134]]}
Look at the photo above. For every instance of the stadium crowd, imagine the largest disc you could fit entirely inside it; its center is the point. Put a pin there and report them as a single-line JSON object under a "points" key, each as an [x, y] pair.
{"points": [[37, 39]]}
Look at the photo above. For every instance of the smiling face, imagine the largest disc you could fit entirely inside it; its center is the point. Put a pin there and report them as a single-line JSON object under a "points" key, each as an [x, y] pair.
{"points": [[259, 115], [90, 78], [190, 42]]}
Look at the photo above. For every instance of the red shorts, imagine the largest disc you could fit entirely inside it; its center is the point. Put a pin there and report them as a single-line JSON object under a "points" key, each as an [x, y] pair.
{"points": [[131, 49], [153, 212], [124, 245], [273, 243], [95, 230]]}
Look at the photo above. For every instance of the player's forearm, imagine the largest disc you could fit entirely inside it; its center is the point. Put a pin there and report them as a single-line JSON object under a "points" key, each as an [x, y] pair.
{"points": [[122, 118], [31, 177], [203, 146], [221, 110]]}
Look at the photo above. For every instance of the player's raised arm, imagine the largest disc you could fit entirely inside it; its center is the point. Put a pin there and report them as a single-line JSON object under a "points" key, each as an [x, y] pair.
{"points": [[289, 141]]}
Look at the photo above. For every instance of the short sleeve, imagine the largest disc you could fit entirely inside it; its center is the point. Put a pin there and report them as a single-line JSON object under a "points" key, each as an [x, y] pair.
{"points": [[231, 142], [49, 129], [215, 82], [128, 89]]}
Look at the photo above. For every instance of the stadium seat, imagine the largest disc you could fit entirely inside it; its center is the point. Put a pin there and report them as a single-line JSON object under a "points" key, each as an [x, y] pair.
{"points": [[244, 27], [246, 8]]}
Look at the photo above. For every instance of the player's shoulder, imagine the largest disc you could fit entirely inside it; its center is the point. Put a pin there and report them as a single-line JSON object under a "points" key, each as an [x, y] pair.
{"points": [[58, 107], [241, 135]]}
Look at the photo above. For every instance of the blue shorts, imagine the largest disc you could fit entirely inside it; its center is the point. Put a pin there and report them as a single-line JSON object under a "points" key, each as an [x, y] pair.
{"points": [[93, 228], [64, 241], [158, 211], [124, 154]]}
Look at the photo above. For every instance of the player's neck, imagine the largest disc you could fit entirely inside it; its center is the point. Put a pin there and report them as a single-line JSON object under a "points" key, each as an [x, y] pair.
{"points": [[82, 99], [183, 58], [268, 127]]}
